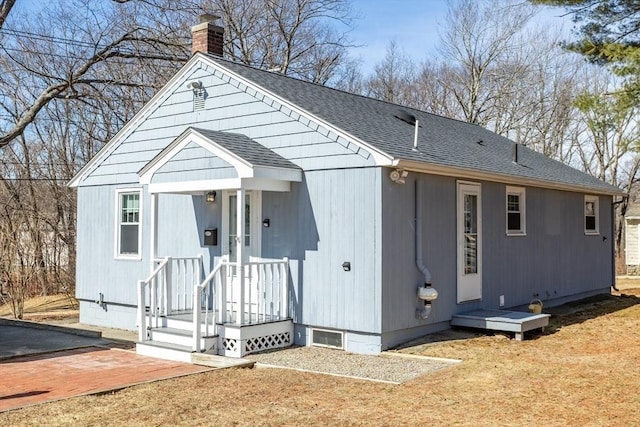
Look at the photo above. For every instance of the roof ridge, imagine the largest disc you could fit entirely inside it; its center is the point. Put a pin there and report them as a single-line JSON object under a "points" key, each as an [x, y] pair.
{"points": [[369, 98]]}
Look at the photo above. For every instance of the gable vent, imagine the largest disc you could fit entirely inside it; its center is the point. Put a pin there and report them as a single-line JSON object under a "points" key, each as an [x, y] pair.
{"points": [[198, 99]]}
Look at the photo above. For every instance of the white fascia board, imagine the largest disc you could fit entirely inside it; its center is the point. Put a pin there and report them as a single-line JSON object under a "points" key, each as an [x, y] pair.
{"points": [[266, 184], [280, 174], [381, 158], [191, 187], [133, 124], [464, 173], [202, 186]]}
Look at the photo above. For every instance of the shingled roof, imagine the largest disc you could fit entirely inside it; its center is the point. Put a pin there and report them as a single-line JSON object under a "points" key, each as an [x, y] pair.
{"points": [[246, 148], [441, 141]]}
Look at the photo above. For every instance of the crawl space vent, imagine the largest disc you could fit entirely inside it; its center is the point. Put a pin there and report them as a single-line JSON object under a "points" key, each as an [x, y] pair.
{"points": [[325, 338]]}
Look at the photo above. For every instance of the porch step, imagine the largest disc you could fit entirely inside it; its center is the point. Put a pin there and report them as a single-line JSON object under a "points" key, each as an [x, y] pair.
{"points": [[181, 353], [163, 350], [501, 320], [182, 337]]}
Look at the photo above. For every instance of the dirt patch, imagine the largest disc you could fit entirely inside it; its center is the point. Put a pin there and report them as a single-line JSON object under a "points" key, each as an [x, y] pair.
{"points": [[583, 371], [50, 307]]}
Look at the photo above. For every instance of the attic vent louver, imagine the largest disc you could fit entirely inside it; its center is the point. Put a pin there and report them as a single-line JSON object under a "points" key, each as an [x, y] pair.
{"points": [[405, 117], [198, 99]]}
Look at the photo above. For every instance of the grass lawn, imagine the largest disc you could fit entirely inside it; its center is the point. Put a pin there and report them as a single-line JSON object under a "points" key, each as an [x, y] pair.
{"points": [[584, 370]]}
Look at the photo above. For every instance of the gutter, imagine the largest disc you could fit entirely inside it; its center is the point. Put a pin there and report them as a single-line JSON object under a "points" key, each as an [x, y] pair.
{"points": [[465, 173]]}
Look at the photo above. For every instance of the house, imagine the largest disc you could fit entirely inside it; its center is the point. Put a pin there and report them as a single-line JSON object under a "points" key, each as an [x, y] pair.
{"points": [[242, 210], [632, 237]]}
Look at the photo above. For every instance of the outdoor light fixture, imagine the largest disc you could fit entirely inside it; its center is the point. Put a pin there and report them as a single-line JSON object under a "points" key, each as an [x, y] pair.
{"points": [[266, 223], [211, 197], [194, 84], [346, 266], [398, 176]]}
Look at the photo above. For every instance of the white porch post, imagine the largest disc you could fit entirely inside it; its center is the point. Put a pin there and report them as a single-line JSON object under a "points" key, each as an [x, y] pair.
{"points": [[239, 255], [153, 234]]}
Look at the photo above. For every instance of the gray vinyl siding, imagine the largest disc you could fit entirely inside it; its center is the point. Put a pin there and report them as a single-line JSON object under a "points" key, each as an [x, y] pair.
{"points": [[182, 220], [229, 107], [555, 260], [98, 271], [194, 163], [400, 276], [329, 218]]}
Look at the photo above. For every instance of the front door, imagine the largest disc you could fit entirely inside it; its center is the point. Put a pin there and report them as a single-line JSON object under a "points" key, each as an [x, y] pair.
{"points": [[252, 231], [469, 242]]}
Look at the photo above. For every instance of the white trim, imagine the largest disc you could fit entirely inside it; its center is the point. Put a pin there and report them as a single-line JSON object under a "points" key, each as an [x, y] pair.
{"points": [[332, 331], [132, 125], [522, 202], [468, 286], [255, 200], [380, 157], [596, 202], [465, 173], [199, 187], [116, 246], [243, 168]]}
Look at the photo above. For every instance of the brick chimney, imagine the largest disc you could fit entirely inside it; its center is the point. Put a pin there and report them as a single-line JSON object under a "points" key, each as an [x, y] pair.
{"points": [[207, 37]]}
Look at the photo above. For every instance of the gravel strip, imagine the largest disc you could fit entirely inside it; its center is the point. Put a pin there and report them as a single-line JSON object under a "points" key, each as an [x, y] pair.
{"points": [[387, 368]]}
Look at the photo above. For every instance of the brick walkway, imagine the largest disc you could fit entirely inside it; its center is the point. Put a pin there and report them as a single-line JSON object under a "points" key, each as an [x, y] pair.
{"points": [[42, 378]]}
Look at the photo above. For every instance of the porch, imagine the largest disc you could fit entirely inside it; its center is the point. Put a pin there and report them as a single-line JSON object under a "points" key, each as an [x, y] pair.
{"points": [[240, 305], [237, 309]]}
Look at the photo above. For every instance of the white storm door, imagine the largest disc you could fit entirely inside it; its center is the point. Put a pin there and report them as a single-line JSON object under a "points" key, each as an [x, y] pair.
{"points": [[469, 241], [252, 240]]}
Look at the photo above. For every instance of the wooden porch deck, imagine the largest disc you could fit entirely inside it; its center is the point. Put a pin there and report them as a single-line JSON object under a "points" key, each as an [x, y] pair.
{"points": [[501, 320]]}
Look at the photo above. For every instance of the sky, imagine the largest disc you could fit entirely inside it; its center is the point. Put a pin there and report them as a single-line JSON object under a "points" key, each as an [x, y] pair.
{"points": [[413, 24]]}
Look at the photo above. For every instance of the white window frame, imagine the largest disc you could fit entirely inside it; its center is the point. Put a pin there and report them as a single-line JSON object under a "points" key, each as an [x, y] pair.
{"points": [[596, 202], [119, 193], [521, 193]]}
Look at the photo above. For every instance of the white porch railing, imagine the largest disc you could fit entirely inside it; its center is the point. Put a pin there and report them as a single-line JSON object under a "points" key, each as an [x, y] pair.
{"points": [[265, 297], [167, 290]]}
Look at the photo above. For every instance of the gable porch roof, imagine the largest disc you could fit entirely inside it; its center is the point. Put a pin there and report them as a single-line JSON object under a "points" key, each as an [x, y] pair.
{"points": [[256, 167]]}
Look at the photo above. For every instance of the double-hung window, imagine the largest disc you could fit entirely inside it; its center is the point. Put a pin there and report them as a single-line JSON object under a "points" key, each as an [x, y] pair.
{"points": [[591, 215], [516, 211], [128, 224]]}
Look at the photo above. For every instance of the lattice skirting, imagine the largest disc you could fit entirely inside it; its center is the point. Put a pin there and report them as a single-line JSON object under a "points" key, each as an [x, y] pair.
{"points": [[239, 341], [253, 345]]}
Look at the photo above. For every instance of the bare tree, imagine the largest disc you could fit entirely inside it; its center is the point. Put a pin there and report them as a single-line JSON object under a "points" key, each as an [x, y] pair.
{"points": [[74, 72], [393, 78], [475, 37], [302, 38], [5, 9]]}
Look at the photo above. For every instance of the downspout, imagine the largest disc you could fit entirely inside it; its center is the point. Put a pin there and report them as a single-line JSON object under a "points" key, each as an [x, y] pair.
{"points": [[425, 292]]}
